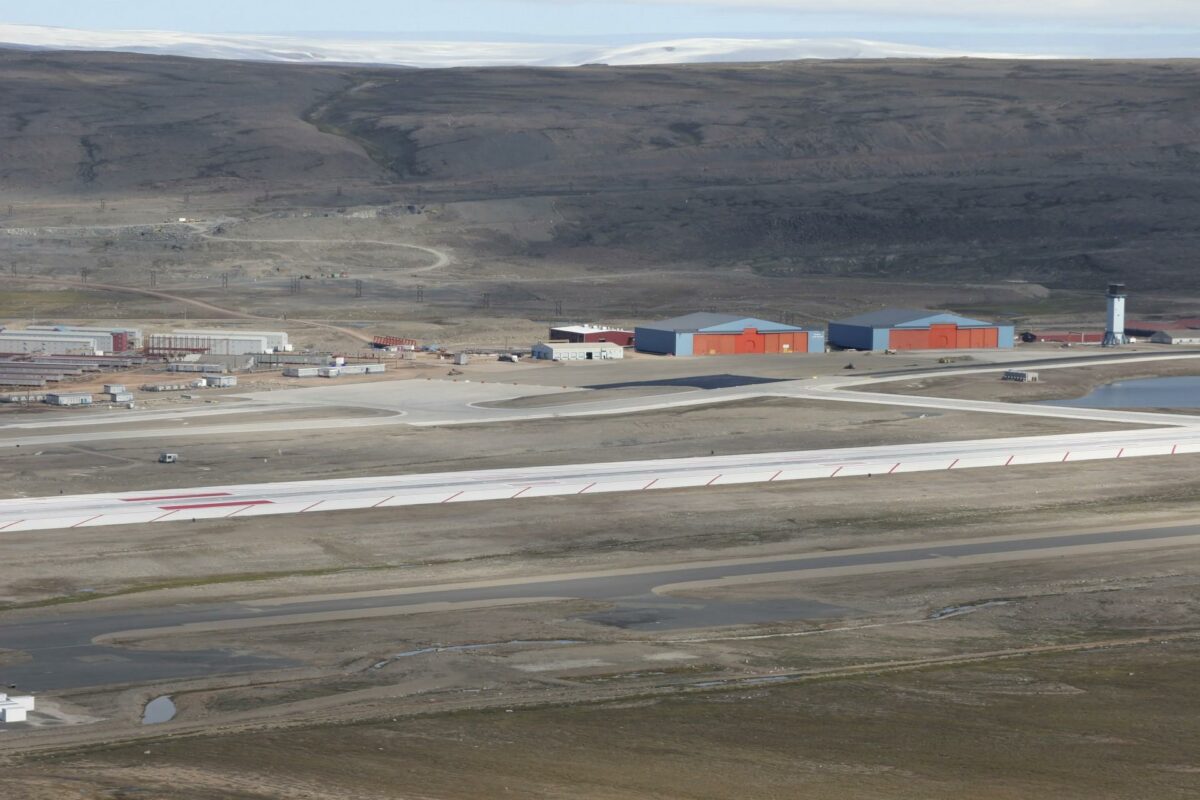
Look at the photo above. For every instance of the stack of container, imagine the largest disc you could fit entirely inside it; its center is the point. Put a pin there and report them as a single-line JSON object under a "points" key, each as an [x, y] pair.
{"points": [[117, 393]]}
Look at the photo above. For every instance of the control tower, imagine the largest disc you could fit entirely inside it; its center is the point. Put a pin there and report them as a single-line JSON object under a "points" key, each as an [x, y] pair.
{"points": [[1114, 329]]}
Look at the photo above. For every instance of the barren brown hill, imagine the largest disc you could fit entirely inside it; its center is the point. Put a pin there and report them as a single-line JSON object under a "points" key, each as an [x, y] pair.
{"points": [[1065, 173]]}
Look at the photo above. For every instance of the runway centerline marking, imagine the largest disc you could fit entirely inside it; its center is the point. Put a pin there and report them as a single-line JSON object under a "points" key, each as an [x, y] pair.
{"points": [[194, 506]]}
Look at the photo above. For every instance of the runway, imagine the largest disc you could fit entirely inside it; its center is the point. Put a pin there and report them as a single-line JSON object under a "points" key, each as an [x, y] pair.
{"points": [[75, 649], [303, 497]]}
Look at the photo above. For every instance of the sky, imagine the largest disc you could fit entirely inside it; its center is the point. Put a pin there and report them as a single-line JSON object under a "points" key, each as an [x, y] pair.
{"points": [[1093, 27]]}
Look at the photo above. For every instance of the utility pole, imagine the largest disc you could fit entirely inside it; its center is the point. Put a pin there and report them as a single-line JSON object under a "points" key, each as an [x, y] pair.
{"points": [[295, 286], [487, 299], [358, 288], [153, 278], [224, 280], [558, 308], [83, 273], [420, 293]]}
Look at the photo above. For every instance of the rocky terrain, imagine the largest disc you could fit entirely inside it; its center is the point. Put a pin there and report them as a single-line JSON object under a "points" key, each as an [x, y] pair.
{"points": [[1064, 173]]}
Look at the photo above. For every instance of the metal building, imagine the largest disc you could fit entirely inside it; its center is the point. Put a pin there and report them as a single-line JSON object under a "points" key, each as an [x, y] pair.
{"points": [[277, 341], [915, 329], [104, 341], [591, 333], [223, 344], [123, 339], [711, 334], [577, 351], [1176, 337], [69, 399], [48, 343], [15, 708]]}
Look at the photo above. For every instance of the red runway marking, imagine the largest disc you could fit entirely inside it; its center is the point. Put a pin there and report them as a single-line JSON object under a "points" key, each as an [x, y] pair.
{"points": [[219, 505], [1010, 459], [893, 469], [384, 500], [1068, 455], [173, 497], [952, 464], [451, 497], [518, 494], [89, 519], [714, 480], [773, 477], [648, 485], [584, 489], [314, 505], [835, 472]]}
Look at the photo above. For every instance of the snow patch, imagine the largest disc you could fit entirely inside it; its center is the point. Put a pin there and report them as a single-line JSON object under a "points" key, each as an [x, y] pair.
{"points": [[431, 54]]}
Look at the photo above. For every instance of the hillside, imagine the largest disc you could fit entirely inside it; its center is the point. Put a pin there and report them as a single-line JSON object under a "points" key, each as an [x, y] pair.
{"points": [[1066, 173]]}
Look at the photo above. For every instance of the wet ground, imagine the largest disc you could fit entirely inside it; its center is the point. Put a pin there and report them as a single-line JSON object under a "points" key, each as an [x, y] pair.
{"points": [[64, 655]]}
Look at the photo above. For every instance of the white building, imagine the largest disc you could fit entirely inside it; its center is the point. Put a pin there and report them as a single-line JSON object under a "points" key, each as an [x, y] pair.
{"points": [[220, 381], [69, 399], [577, 351], [51, 343], [132, 337], [1176, 337], [277, 341], [214, 343], [15, 709]]}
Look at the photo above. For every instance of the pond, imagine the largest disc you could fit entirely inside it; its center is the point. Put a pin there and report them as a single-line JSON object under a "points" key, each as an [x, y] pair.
{"points": [[1177, 392], [160, 709]]}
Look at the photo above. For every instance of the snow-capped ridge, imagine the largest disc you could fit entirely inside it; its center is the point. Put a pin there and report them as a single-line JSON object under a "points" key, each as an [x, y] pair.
{"points": [[430, 53]]}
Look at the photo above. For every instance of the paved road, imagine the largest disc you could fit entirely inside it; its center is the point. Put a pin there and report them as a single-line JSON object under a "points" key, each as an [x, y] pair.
{"points": [[64, 654], [442, 402]]}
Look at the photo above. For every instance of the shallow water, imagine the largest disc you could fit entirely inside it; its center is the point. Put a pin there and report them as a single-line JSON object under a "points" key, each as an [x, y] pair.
{"points": [[160, 709], [1177, 392]]}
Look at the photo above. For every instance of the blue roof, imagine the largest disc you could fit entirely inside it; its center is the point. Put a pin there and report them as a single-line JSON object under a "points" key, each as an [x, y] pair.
{"points": [[910, 318], [710, 322]]}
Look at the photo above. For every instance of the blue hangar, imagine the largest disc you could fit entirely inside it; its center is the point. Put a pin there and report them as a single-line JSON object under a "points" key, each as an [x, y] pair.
{"points": [[710, 334], [915, 329]]}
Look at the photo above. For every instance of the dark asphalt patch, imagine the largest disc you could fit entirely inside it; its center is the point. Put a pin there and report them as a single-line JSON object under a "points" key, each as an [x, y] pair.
{"points": [[725, 381]]}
